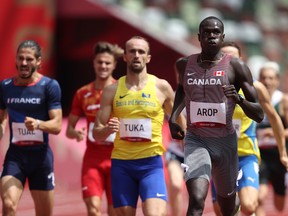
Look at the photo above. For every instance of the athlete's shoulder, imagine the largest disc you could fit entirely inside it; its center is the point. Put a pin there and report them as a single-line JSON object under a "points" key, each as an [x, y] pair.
{"points": [[234, 61], [51, 86], [121, 79], [163, 85], [6, 82], [182, 62], [85, 88], [112, 87], [260, 88], [160, 81], [45, 80]]}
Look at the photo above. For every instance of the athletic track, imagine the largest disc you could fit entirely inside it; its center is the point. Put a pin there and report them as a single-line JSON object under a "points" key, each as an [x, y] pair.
{"points": [[68, 200]]}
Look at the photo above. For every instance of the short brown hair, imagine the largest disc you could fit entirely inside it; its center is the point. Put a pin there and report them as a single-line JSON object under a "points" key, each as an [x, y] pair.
{"points": [[106, 47]]}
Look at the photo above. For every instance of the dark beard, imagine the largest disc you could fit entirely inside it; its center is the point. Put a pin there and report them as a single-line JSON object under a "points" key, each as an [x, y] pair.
{"points": [[30, 75], [136, 70]]}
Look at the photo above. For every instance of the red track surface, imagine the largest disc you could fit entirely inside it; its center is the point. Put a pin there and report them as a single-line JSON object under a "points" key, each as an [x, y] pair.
{"points": [[68, 200], [69, 203]]}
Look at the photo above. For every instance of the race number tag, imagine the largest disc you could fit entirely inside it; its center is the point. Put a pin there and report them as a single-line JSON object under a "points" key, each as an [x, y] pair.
{"points": [[136, 130], [109, 140], [22, 135], [207, 114]]}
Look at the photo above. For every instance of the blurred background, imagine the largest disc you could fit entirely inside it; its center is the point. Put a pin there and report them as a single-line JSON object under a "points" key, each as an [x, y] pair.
{"points": [[68, 29]]}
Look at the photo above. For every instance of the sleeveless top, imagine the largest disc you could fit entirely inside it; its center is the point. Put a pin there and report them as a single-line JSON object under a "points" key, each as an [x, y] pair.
{"points": [[246, 132], [209, 111], [141, 116]]}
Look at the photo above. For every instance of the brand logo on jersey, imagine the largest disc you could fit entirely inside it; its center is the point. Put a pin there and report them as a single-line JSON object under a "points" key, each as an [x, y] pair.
{"points": [[93, 107], [190, 74], [212, 81], [145, 95], [122, 96], [87, 94], [43, 83], [23, 100], [218, 73], [7, 82]]}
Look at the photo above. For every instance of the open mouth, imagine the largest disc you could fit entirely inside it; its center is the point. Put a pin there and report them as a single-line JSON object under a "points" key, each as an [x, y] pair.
{"points": [[24, 70], [136, 63], [212, 42]]}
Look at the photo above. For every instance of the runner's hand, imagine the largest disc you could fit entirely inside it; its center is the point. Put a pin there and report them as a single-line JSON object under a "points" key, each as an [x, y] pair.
{"points": [[176, 131]]}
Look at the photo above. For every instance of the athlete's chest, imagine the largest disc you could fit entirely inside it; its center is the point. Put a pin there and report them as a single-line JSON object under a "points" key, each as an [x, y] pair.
{"points": [[24, 97], [90, 102]]}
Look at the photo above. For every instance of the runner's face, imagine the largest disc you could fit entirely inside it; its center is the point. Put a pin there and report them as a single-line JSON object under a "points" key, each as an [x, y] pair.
{"points": [[104, 65], [211, 35], [26, 62], [137, 55], [270, 79]]}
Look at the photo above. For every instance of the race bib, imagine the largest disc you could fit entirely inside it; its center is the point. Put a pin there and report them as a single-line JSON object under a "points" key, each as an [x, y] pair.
{"points": [[136, 130], [207, 114], [109, 140], [21, 135]]}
